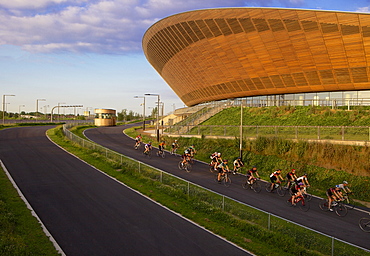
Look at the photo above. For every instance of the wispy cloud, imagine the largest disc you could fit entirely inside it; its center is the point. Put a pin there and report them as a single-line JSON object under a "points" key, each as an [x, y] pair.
{"points": [[98, 26]]}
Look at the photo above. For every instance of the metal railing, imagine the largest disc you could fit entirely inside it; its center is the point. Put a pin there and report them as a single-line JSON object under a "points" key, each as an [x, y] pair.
{"points": [[267, 221]]}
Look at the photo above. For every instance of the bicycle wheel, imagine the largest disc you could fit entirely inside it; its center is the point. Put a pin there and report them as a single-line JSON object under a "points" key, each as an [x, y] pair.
{"points": [[162, 155], [268, 187], [289, 201], [180, 165], [256, 187], [364, 224], [187, 167], [324, 205], [349, 203], [307, 197], [227, 181], [304, 205], [341, 210], [212, 169], [281, 191], [245, 185]]}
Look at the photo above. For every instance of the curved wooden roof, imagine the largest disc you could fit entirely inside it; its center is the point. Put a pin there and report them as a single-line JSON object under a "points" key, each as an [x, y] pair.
{"points": [[216, 54]]}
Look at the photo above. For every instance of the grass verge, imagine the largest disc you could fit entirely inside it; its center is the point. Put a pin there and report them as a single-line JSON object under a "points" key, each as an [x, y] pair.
{"points": [[20, 232]]}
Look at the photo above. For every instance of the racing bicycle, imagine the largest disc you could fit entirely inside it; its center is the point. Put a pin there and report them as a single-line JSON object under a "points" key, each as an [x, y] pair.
{"points": [[300, 200], [339, 208], [279, 189], [225, 179], [254, 185], [184, 166], [364, 224]]}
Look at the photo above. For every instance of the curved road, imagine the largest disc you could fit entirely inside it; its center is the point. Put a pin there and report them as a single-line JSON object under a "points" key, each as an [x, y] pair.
{"points": [[344, 228], [89, 213]]}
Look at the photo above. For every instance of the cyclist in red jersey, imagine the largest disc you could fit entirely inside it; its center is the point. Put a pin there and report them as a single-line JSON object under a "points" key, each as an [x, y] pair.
{"points": [[252, 174]]}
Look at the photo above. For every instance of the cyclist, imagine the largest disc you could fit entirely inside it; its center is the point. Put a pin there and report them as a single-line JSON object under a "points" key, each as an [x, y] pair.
{"points": [[291, 177], [186, 156], [252, 174], [304, 179], [174, 146], [147, 147], [161, 147], [238, 163], [344, 186], [333, 195], [192, 151], [222, 169], [216, 160], [297, 190], [138, 140], [275, 178]]}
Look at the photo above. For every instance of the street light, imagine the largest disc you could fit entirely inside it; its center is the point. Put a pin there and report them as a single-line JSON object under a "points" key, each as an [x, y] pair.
{"points": [[37, 106], [58, 110], [19, 110], [157, 126], [143, 110], [4, 106]]}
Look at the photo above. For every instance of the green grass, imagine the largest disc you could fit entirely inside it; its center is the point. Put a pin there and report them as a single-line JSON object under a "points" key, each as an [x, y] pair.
{"points": [[20, 232], [238, 223]]}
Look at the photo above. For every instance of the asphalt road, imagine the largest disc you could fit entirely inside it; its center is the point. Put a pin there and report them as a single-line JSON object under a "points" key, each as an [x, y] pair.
{"points": [[344, 228], [89, 213]]}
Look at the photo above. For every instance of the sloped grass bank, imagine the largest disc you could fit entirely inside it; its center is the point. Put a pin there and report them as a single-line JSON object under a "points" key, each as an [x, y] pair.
{"points": [[240, 224]]}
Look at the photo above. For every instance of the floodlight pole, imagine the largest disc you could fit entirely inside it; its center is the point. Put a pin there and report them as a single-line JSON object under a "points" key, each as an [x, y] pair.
{"points": [[37, 106], [143, 110], [4, 106], [157, 126]]}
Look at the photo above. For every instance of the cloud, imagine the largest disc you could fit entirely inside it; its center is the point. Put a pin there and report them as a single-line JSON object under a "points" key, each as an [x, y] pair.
{"points": [[93, 26], [363, 9]]}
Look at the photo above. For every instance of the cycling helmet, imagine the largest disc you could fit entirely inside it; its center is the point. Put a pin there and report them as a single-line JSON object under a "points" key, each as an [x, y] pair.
{"points": [[300, 184], [218, 154], [239, 158], [345, 182], [175, 140], [149, 142], [225, 160], [305, 174], [293, 170]]}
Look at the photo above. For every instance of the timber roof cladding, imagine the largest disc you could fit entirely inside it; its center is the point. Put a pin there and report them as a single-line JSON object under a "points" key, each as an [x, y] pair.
{"points": [[224, 53]]}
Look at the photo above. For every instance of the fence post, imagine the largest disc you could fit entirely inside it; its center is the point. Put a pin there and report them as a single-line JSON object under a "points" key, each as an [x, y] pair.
{"points": [[269, 221], [139, 167], [342, 132], [188, 190], [223, 203], [296, 132], [332, 246], [318, 132], [161, 177]]}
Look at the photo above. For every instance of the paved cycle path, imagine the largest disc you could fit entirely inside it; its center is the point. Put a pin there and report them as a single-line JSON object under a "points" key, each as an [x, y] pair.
{"points": [[344, 228], [89, 213]]}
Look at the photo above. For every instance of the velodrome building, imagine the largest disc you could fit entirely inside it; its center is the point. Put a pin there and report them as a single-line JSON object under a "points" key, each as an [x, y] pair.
{"points": [[270, 54]]}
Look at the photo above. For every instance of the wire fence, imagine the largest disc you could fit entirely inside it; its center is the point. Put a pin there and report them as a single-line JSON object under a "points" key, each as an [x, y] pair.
{"points": [[267, 222]]}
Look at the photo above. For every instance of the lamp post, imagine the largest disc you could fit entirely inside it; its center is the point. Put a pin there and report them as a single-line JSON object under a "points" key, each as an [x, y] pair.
{"points": [[157, 126], [19, 110], [37, 106], [4, 106], [143, 110], [58, 110]]}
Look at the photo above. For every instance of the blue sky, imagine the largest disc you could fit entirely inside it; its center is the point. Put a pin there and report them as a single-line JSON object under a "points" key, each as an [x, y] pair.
{"points": [[88, 52]]}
